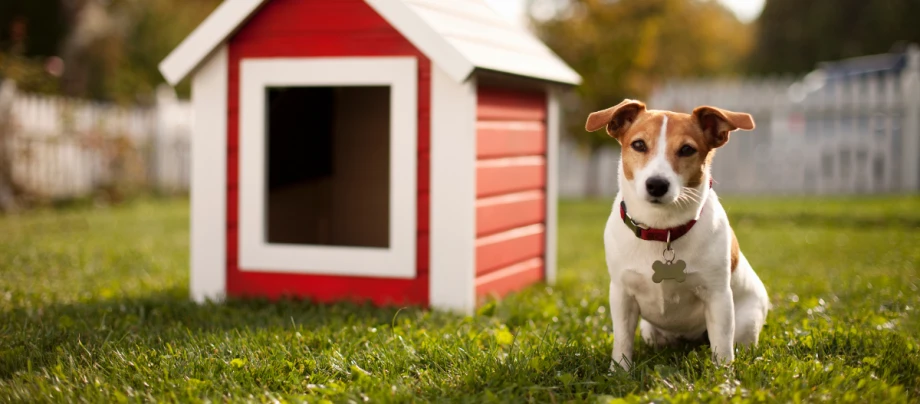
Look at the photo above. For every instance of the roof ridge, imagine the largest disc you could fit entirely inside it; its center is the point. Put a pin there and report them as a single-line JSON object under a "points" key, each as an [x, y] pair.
{"points": [[438, 43]]}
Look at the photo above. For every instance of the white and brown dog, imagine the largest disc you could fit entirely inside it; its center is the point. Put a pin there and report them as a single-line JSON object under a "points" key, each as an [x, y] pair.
{"points": [[672, 256]]}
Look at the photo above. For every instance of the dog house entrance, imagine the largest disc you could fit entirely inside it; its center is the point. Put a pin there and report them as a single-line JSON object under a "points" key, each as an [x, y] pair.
{"points": [[327, 166], [328, 159]]}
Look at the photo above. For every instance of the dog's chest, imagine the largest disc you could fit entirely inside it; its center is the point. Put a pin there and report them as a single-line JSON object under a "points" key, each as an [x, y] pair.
{"points": [[671, 305], [668, 304]]}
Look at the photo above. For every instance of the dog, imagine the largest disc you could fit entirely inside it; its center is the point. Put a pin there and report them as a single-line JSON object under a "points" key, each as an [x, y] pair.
{"points": [[676, 270]]}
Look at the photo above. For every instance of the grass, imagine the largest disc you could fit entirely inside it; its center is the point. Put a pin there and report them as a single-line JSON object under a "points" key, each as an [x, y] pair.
{"points": [[93, 307]]}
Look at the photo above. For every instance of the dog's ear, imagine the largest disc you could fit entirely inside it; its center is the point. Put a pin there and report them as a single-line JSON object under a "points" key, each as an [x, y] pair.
{"points": [[716, 123], [616, 119]]}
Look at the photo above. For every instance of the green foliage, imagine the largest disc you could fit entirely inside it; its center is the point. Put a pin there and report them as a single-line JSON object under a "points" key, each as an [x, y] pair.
{"points": [[793, 35], [624, 48], [156, 27], [46, 21], [94, 308], [111, 50], [28, 73]]}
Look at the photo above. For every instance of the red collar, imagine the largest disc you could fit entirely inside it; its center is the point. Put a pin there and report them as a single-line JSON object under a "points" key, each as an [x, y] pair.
{"points": [[651, 234]]}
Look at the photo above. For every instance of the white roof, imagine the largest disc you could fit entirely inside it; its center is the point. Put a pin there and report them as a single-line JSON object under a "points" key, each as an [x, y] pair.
{"points": [[457, 35]]}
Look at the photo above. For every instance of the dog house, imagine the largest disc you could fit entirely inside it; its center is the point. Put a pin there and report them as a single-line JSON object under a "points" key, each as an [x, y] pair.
{"points": [[398, 151]]}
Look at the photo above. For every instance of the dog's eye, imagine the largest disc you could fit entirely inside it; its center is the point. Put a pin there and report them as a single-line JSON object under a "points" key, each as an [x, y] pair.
{"points": [[639, 146], [686, 151]]}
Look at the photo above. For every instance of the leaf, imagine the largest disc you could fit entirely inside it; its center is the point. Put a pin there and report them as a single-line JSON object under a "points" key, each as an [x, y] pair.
{"points": [[538, 363], [358, 373], [610, 400], [487, 310], [503, 336], [566, 378]]}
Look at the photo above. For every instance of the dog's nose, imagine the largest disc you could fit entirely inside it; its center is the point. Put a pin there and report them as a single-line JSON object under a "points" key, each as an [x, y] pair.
{"points": [[657, 186]]}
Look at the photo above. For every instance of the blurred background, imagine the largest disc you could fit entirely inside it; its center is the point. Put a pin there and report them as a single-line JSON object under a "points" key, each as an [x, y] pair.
{"points": [[834, 86]]}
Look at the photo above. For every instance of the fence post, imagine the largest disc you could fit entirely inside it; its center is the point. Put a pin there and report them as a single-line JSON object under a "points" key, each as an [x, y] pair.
{"points": [[910, 90], [7, 191], [165, 99]]}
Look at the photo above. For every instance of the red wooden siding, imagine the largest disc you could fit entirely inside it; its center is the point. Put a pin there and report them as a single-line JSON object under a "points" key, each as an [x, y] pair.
{"points": [[507, 212], [510, 189], [509, 139], [510, 278], [506, 105], [504, 175], [299, 28], [503, 249]]}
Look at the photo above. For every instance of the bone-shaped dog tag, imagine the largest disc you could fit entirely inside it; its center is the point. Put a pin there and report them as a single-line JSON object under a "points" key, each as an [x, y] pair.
{"points": [[669, 270]]}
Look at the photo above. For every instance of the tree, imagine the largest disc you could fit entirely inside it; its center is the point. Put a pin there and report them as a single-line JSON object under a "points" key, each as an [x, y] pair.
{"points": [[624, 48], [793, 35], [118, 60], [102, 50], [31, 32], [20, 20], [157, 27]]}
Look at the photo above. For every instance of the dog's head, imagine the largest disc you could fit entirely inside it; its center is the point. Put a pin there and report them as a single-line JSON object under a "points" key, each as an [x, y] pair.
{"points": [[664, 151]]}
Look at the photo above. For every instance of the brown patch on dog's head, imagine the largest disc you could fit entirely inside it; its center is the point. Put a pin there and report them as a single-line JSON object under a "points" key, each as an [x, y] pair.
{"points": [[683, 132], [645, 130], [625, 122], [705, 130]]}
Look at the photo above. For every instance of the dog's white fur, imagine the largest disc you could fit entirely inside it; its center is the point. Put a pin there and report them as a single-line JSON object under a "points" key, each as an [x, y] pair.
{"points": [[731, 306]]}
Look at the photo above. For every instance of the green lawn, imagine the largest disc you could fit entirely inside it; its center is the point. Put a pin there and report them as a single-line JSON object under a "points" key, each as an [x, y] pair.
{"points": [[93, 307]]}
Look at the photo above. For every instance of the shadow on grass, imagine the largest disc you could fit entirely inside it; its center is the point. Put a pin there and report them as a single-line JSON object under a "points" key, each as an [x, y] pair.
{"points": [[37, 337], [825, 221], [75, 334], [579, 371]]}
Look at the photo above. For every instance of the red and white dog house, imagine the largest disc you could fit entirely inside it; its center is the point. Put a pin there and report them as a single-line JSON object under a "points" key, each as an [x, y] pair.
{"points": [[401, 151]]}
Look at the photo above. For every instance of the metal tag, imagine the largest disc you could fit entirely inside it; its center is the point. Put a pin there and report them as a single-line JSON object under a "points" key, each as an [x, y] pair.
{"points": [[669, 270]]}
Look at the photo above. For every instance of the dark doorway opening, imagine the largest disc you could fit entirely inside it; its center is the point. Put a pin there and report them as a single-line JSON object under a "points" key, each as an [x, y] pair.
{"points": [[328, 166]]}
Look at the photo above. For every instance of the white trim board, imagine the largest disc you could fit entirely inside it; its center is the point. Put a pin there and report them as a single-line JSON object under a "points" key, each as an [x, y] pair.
{"points": [[553, 125], [256, 254], [208, 279], [424, 37], [212, 32], [453, 193]]}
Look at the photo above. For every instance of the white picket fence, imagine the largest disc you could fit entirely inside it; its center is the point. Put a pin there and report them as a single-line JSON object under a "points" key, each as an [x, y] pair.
{"points": [[66, 148], [844, 136], [854, 135]]}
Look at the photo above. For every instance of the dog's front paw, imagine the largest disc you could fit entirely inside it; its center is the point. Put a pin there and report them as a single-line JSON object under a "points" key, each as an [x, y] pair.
{"points": [[724, 358], [620, 361], [621, 365]]}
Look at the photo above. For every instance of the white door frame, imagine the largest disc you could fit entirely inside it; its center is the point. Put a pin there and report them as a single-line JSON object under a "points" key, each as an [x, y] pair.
{"points": [[255, 253]]}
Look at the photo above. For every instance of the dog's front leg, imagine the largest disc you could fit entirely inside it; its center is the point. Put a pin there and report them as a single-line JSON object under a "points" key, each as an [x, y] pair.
{"points": [[720, 323], [625, 314]]}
